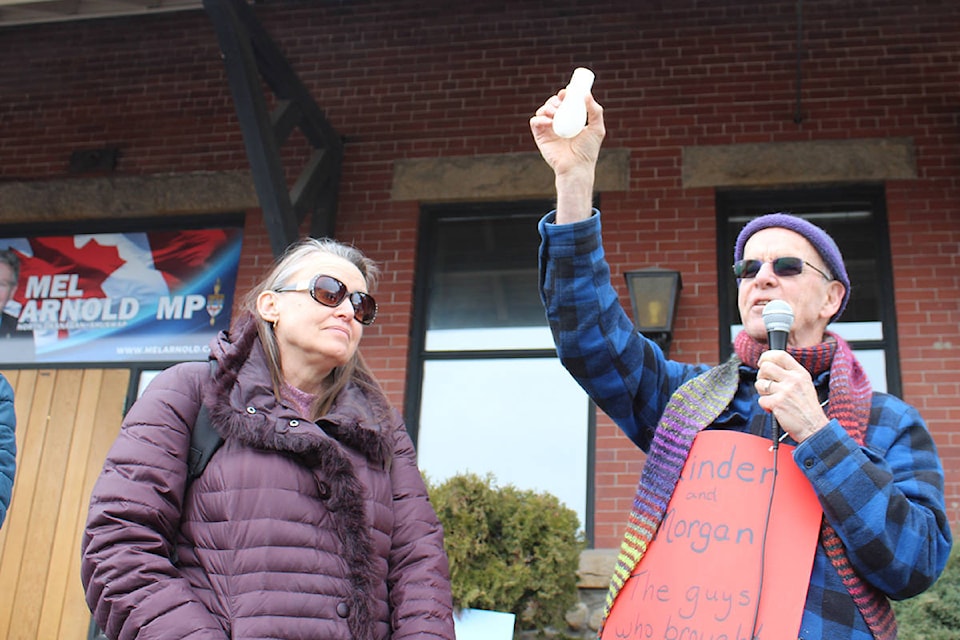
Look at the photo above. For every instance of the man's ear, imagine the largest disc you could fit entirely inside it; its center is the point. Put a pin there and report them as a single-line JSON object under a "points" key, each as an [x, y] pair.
{"points": [[835, 293], [267, 306]]}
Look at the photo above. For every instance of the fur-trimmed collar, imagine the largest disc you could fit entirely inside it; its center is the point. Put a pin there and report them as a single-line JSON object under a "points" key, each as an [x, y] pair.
{"points": [[242, 404]]}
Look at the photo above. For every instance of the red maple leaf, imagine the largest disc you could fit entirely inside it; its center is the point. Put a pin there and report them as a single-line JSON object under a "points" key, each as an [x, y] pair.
{"points": [[58, 255]]}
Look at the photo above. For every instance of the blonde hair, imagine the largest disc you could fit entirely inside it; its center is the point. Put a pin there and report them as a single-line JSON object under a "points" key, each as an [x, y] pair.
{"points": [[283, 270]]}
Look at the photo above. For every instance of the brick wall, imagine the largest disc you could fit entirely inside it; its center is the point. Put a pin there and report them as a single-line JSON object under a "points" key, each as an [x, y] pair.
{"points": [[407, 80]]}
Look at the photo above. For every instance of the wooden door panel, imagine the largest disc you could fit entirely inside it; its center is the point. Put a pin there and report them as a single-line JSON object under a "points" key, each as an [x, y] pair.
{"points": [[66, 421]]}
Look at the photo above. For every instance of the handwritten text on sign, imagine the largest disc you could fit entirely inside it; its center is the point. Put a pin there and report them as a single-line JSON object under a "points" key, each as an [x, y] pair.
{"points": [[700, 577]]}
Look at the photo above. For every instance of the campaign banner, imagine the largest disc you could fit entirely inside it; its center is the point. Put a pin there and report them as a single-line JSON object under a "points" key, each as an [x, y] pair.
{"points": [[153, 296]]}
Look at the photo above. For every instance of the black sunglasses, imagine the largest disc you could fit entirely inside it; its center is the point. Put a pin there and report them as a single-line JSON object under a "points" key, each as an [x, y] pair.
{"points": [[781, 267], [330, 292]]}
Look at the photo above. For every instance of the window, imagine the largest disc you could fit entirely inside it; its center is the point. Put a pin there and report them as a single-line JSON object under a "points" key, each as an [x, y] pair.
{"points": [[486, 392], [855, 216]]}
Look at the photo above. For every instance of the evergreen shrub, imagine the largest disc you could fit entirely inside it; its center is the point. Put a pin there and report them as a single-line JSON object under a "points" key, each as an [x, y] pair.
{"points": [[935, 613], [510, 550]]}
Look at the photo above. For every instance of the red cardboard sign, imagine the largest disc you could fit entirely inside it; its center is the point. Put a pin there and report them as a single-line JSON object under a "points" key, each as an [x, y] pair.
{"points": [[700, 578]]}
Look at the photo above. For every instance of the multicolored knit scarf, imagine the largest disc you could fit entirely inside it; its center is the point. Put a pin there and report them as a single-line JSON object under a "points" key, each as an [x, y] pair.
{"points": [[695, 405]]}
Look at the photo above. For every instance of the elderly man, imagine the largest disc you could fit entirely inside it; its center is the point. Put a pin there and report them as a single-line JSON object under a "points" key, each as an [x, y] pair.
{"points": [[868, 456]]}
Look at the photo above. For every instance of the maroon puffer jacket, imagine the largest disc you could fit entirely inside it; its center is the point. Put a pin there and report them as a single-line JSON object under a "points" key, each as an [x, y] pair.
{"points": [[295, 530]]}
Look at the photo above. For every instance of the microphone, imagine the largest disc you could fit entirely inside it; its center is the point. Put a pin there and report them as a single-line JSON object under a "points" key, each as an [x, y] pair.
{"points": [[777, 318]]}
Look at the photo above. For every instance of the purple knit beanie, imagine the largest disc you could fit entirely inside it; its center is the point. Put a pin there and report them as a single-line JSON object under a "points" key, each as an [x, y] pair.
{"points": [[816, 236]]}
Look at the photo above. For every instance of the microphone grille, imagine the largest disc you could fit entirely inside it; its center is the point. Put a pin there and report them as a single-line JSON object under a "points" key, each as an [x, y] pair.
{"points": [[777, 316]]}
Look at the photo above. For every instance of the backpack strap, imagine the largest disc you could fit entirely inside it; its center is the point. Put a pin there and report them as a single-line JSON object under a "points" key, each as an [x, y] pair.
{"points": [[204, 440]]}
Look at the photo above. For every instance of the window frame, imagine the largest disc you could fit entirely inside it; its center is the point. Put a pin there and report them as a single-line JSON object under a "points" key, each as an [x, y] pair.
{"points": [[431, 215]]}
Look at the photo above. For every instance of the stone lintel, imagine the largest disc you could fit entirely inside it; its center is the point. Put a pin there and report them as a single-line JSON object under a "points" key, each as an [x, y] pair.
{"points": [[860, 160], [76, 199], [495, 177]]}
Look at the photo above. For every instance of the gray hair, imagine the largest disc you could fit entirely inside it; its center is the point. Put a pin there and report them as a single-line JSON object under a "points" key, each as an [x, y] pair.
{"points": [[302, 250]]}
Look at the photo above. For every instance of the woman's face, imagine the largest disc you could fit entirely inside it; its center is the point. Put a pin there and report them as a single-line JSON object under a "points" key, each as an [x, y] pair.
{"points": [[314, 339], [813, 298]]}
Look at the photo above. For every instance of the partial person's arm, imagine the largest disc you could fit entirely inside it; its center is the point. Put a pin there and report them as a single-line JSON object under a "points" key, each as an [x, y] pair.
{"points": [[8, 446]]}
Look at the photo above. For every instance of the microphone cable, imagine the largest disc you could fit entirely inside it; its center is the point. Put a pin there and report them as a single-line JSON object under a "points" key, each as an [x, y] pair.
{"points": [[754, 632]]}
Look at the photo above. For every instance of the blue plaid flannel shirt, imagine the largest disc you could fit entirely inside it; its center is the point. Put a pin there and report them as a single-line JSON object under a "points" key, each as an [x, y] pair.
{"points": [[885, 500]]}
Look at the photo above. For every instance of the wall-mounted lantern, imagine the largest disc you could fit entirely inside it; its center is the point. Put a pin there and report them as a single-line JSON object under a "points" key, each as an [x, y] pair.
{"points": [[654, 294]]}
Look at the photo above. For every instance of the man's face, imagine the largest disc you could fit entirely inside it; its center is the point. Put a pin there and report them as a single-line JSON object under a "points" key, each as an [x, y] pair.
{"points": [[813, 298], [8, 284]]}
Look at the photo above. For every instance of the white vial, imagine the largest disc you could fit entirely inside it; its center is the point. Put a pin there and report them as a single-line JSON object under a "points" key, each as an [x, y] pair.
{"points": [[571, 117]]}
